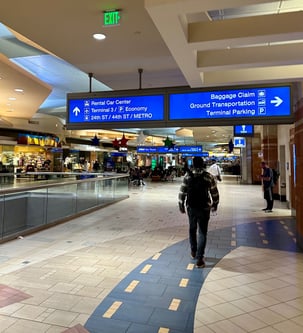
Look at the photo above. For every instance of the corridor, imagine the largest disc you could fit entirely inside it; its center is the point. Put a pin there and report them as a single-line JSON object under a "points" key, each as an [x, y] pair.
{"points": [[127, 268]]}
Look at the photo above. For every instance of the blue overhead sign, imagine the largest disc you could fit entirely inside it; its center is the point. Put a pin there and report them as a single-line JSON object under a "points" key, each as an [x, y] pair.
{"points": [[179, 106], [202, 154], [116, 109], [230, 104], [173, 150], [190, 149], [244, 130]]}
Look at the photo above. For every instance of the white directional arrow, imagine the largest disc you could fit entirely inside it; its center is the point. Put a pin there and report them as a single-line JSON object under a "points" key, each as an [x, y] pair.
{"points": [[76, 111], [277, 101]]}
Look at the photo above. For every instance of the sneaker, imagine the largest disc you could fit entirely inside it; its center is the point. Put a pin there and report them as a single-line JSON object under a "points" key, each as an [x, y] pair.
{"points": [[265, 209], [200, 263], [193, 254], [268, 211]]}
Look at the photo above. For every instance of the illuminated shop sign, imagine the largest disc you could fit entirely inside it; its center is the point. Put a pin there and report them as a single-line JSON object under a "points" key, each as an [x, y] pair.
{"points": [[230, 104], [37, 140], [116, 109]]}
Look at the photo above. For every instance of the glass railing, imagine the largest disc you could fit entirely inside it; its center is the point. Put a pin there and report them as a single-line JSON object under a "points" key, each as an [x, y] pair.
{"points": [[29, 204]]}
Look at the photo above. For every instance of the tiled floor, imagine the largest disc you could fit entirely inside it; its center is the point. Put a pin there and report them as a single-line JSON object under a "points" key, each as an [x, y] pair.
{"points": [[126, 268]]}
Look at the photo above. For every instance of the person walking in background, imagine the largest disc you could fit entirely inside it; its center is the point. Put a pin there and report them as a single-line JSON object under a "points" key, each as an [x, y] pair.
{"points": [[268, 184], [215, 170], [200, 194]]}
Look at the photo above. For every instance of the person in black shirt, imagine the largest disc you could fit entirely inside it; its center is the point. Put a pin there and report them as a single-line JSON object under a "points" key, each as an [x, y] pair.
{"points": [[268, 184]]}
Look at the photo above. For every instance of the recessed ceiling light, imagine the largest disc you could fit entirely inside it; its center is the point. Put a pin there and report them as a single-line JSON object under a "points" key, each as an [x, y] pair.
{"points": [[99, 36], [12, 98], [19, 90]]}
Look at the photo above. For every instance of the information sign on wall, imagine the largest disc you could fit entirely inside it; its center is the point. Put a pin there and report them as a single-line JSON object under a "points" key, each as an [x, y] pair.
{"points": [[239, 142]]}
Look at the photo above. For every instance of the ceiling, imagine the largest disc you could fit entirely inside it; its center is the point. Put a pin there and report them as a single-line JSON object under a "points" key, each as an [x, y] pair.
{"points": [[47, 49]]}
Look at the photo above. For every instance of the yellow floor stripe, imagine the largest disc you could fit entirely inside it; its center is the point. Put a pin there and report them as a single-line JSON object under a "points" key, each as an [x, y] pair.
{"points": [[109, 313], [174, 305], [262, 234], [290, 233], [190, 267], [163, 330], [132, 286], [233, 235], [145, 269], [265, 241], [233, 243], [183, 283], [156, 256]]}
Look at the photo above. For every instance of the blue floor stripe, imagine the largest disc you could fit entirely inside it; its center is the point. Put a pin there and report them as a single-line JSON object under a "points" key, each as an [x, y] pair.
{"points": [[146, 308]]}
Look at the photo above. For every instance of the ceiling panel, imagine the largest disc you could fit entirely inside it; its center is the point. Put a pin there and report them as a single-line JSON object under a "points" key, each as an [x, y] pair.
{"points": [[58, 50]]}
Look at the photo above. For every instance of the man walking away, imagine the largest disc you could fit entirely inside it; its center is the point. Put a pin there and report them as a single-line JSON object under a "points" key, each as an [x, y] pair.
{"points": [[200, 194]]}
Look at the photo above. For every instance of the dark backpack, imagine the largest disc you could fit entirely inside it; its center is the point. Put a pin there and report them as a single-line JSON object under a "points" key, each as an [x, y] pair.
{"points": [[275, 176], [197, 191]]}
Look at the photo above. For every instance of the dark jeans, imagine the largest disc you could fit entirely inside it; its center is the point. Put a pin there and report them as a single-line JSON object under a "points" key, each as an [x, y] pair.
{"points": [[268, 196], [198, 221]]}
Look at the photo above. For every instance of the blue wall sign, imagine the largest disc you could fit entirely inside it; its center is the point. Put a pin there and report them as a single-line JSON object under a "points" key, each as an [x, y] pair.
{"points": [[237, 103], [116, 109], [239, 142]]}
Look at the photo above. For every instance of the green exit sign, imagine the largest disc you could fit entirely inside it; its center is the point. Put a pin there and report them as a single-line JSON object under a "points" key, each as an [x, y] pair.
{"points": [[111, 17]]}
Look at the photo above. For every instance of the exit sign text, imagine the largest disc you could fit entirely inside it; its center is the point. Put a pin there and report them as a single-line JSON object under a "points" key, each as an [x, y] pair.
{"points": [[111, 17]]}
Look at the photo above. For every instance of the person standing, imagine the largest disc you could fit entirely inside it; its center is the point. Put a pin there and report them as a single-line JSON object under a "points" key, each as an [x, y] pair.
{"points": [[200, 194], [268, 184], [215, 170]]}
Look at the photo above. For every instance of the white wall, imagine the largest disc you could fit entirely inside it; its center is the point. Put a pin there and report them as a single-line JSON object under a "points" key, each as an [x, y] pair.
{"points": [[283, 140]]}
